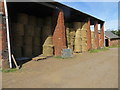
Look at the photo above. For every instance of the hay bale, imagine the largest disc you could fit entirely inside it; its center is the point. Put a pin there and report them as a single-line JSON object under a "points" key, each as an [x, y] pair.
{"points": [[27, 51], [28, 40], [39, 22], [29, 30], [22, 18], [32, 20], [37, 50], [36, 41], [77, 25], [84, 25], [48, 41], [37, 31], [17, 29], [17, 41], [48, 50], [48, 21], [92, 35], [78, 43], [84, 47], [17, 52], [83, 33]]}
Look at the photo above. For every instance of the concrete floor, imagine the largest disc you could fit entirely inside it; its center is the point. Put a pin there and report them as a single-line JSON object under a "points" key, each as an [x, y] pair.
{"points": [[87, 70]]}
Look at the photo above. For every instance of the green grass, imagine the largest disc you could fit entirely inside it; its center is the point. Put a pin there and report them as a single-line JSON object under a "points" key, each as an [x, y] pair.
{"points": [[8, 70], [118, 46], [98, 50]]}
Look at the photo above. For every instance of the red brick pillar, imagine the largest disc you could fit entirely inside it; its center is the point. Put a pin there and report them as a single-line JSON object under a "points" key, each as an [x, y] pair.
{"points": [[59, 38], [96, 34], [102, 35], [4, 63], [89, 44]]}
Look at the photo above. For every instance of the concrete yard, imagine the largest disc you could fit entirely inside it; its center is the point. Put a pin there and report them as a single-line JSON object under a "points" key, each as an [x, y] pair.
{"points": [[87, 70]]}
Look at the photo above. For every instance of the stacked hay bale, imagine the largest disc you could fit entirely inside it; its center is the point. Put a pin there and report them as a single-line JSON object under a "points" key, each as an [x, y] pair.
{"points": [[17, 39], [93, 39], [72, 38], [70, 35], [47, 38], [84, 36], [78, 40], [26, 36]]}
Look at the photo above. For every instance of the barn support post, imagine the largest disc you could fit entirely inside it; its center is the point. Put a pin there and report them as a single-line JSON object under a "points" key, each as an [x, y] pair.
{"points": [[96, 34], [102, 35], [59, 39], [4, 58], [89, 44]]}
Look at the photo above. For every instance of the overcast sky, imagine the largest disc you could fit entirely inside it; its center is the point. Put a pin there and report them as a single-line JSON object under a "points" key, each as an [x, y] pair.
{"points": [[107, 11]]}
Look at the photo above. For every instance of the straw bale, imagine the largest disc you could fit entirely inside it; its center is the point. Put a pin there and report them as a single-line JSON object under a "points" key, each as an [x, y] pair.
{"points": [[37, 31], [17, 52], [28, 40], [84, 25], [27, 51], [32, 20], [29, 30], [17, 41], [48, 41], [17, 29], [22, 18], [77, 25], [48, 50]]}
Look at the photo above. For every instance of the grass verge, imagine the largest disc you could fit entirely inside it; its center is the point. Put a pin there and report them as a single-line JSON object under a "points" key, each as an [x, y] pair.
{"points": [[98, 50], [8, 70]]}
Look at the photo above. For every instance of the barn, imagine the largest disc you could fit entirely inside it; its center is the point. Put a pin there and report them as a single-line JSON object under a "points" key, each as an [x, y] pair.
{"points": [[45, 29], [111, 39]]}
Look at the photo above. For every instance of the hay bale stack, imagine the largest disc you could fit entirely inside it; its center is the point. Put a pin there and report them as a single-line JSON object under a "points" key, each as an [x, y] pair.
{"points": [[17, 29], [48, 41], [17, 41], [37, 32], [37, 50], [48, 21], [93, 39], [48, 50], [17, 52], [39, 22], [32, 20], [68, 36], [29, 30], [84, 25], [84, 47], [83, 33], [28, 40], [72, 38], [22, 18], [77, 25], [27, 51], [78, 41]]}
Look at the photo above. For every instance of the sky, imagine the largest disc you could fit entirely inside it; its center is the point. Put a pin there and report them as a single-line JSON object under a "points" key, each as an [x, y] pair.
{"points": [[106, 11]]}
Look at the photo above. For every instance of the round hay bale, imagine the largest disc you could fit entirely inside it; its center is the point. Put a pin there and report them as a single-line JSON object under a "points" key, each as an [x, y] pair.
{"points": [[37, 32], [36, 41], [39, 22], [32, 20], [17, 52], [28, 40], [17, 41], [17, 29], [48, 21], [77, 25], [27, 51], [29, 30], [22, 18], [37, 50]]}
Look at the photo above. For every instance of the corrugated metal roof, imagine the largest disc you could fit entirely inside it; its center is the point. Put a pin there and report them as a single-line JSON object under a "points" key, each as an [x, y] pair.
{"points": [[110, 35]]}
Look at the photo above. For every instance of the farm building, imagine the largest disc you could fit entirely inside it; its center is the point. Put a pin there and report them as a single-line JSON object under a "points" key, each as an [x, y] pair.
{"points": [[111, 39], [44, 29]]}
